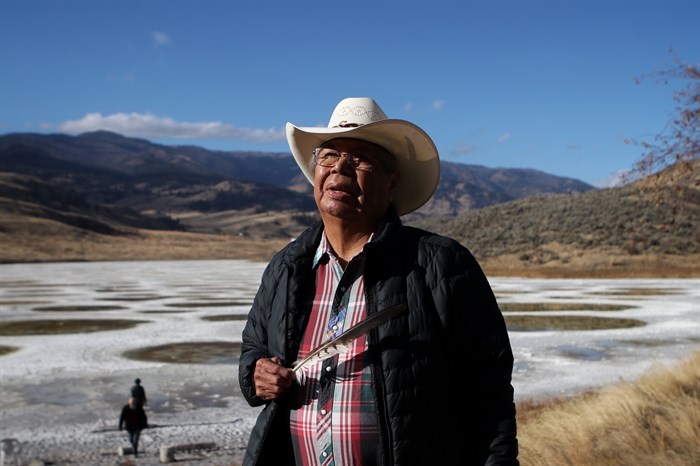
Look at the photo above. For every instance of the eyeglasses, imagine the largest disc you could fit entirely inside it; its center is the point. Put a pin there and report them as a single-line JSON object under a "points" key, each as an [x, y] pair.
{"points": [[329, 157]]}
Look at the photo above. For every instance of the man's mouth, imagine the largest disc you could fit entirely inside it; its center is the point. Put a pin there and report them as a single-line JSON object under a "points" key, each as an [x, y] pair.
{"points": [[340, 192]]}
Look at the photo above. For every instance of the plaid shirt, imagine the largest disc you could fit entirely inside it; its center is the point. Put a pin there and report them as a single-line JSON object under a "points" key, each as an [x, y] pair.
{"points": [[336, 423]]}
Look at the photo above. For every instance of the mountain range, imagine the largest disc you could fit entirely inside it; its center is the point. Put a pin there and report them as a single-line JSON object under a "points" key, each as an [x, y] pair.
{"points": [[143, 184], [103, 196]]}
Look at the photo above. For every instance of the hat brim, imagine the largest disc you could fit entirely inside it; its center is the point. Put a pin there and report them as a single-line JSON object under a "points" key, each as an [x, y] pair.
{"points": [[415, 153]]}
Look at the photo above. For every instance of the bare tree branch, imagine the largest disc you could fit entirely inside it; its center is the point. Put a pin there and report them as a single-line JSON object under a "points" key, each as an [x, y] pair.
{"points": [[678, 144]]}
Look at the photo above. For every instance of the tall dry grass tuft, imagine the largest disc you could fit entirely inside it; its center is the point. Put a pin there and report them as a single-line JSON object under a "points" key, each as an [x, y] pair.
{"points": [[652, 421]]}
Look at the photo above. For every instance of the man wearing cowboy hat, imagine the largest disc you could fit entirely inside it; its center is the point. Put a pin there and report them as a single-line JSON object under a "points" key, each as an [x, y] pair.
{"points": [[429, 386]]}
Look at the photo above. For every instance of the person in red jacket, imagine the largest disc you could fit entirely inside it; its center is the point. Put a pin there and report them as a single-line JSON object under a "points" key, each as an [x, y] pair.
{"points": [[134, 419]]}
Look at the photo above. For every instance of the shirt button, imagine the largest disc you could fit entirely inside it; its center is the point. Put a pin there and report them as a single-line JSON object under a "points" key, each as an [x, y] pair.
{"points": [[323, 411], [324, 454], [329, 368], [342, 288], [335, 327]]}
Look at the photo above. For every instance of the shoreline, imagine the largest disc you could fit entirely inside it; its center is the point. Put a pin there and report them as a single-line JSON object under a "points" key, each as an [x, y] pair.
{"points": [[47, 242]]}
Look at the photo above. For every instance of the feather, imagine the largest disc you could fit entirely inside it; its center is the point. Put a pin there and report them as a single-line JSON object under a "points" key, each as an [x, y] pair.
{"points": [[343, 342]]}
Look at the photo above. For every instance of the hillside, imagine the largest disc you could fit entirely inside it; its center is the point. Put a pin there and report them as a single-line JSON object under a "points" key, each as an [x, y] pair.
{"points": [[55, 205], [649, 228], [191, 184]]}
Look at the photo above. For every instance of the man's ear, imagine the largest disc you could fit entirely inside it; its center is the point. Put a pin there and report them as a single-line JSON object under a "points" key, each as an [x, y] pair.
{"points": [[393, 184]]}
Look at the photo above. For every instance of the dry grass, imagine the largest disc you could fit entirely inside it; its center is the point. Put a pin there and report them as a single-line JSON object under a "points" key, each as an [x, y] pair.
{"points": [[44, 240], [653, 421], [598, 263], [32, 239]]}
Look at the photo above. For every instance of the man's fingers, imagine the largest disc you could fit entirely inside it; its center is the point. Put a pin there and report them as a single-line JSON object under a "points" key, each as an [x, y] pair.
{"points": [[271, 378]]}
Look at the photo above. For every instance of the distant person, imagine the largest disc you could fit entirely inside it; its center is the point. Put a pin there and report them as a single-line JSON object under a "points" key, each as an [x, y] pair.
{"points": [[431, 386], [138, 393], [134, 419]]}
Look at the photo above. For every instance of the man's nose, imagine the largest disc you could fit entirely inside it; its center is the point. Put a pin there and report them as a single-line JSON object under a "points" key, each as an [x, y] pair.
{"points": [[343, 161]]}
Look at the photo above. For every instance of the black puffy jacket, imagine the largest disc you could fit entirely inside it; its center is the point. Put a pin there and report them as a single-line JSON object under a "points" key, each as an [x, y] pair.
{"points": [[442, 370]]}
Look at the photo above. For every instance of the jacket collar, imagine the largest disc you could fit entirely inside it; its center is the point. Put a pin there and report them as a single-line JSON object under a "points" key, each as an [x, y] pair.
{"points": [[306, 244]]}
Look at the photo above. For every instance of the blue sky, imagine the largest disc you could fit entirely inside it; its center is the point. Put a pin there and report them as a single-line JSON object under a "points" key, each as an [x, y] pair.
{"points": [[548, 85]]}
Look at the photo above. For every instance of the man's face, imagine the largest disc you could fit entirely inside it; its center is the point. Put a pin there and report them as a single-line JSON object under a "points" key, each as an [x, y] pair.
{"points": [[359, 196]]}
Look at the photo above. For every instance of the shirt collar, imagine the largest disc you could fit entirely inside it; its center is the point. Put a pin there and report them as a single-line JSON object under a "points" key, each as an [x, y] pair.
{"points": [[324, 251]]}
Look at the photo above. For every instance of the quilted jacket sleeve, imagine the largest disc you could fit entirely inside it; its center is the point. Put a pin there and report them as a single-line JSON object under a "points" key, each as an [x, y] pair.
{"points": [[480, 338], [255, 344]]}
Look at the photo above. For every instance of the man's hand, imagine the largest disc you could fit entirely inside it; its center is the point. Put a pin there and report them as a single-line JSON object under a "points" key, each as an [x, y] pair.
{"points": [[271, 378]]}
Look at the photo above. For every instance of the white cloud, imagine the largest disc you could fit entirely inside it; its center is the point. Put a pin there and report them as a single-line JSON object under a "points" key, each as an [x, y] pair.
{"points": [[161, 38], [504, 137], [616, 179], [463, 149], [438, 104], [152, 126]]}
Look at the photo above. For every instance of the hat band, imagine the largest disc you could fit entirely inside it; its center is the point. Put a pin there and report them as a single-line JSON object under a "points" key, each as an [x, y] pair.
{"points": [[345, 124]]}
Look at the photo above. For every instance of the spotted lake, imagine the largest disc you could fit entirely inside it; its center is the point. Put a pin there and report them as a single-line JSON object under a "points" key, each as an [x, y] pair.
{"points": [[97, 317]]}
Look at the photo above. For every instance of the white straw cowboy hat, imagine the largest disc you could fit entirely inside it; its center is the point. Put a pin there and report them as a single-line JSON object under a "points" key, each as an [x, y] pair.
{"points": [[361, 118]]}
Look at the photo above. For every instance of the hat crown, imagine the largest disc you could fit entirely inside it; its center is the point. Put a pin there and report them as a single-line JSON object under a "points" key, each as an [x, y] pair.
{"points": [[356, 111]]}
